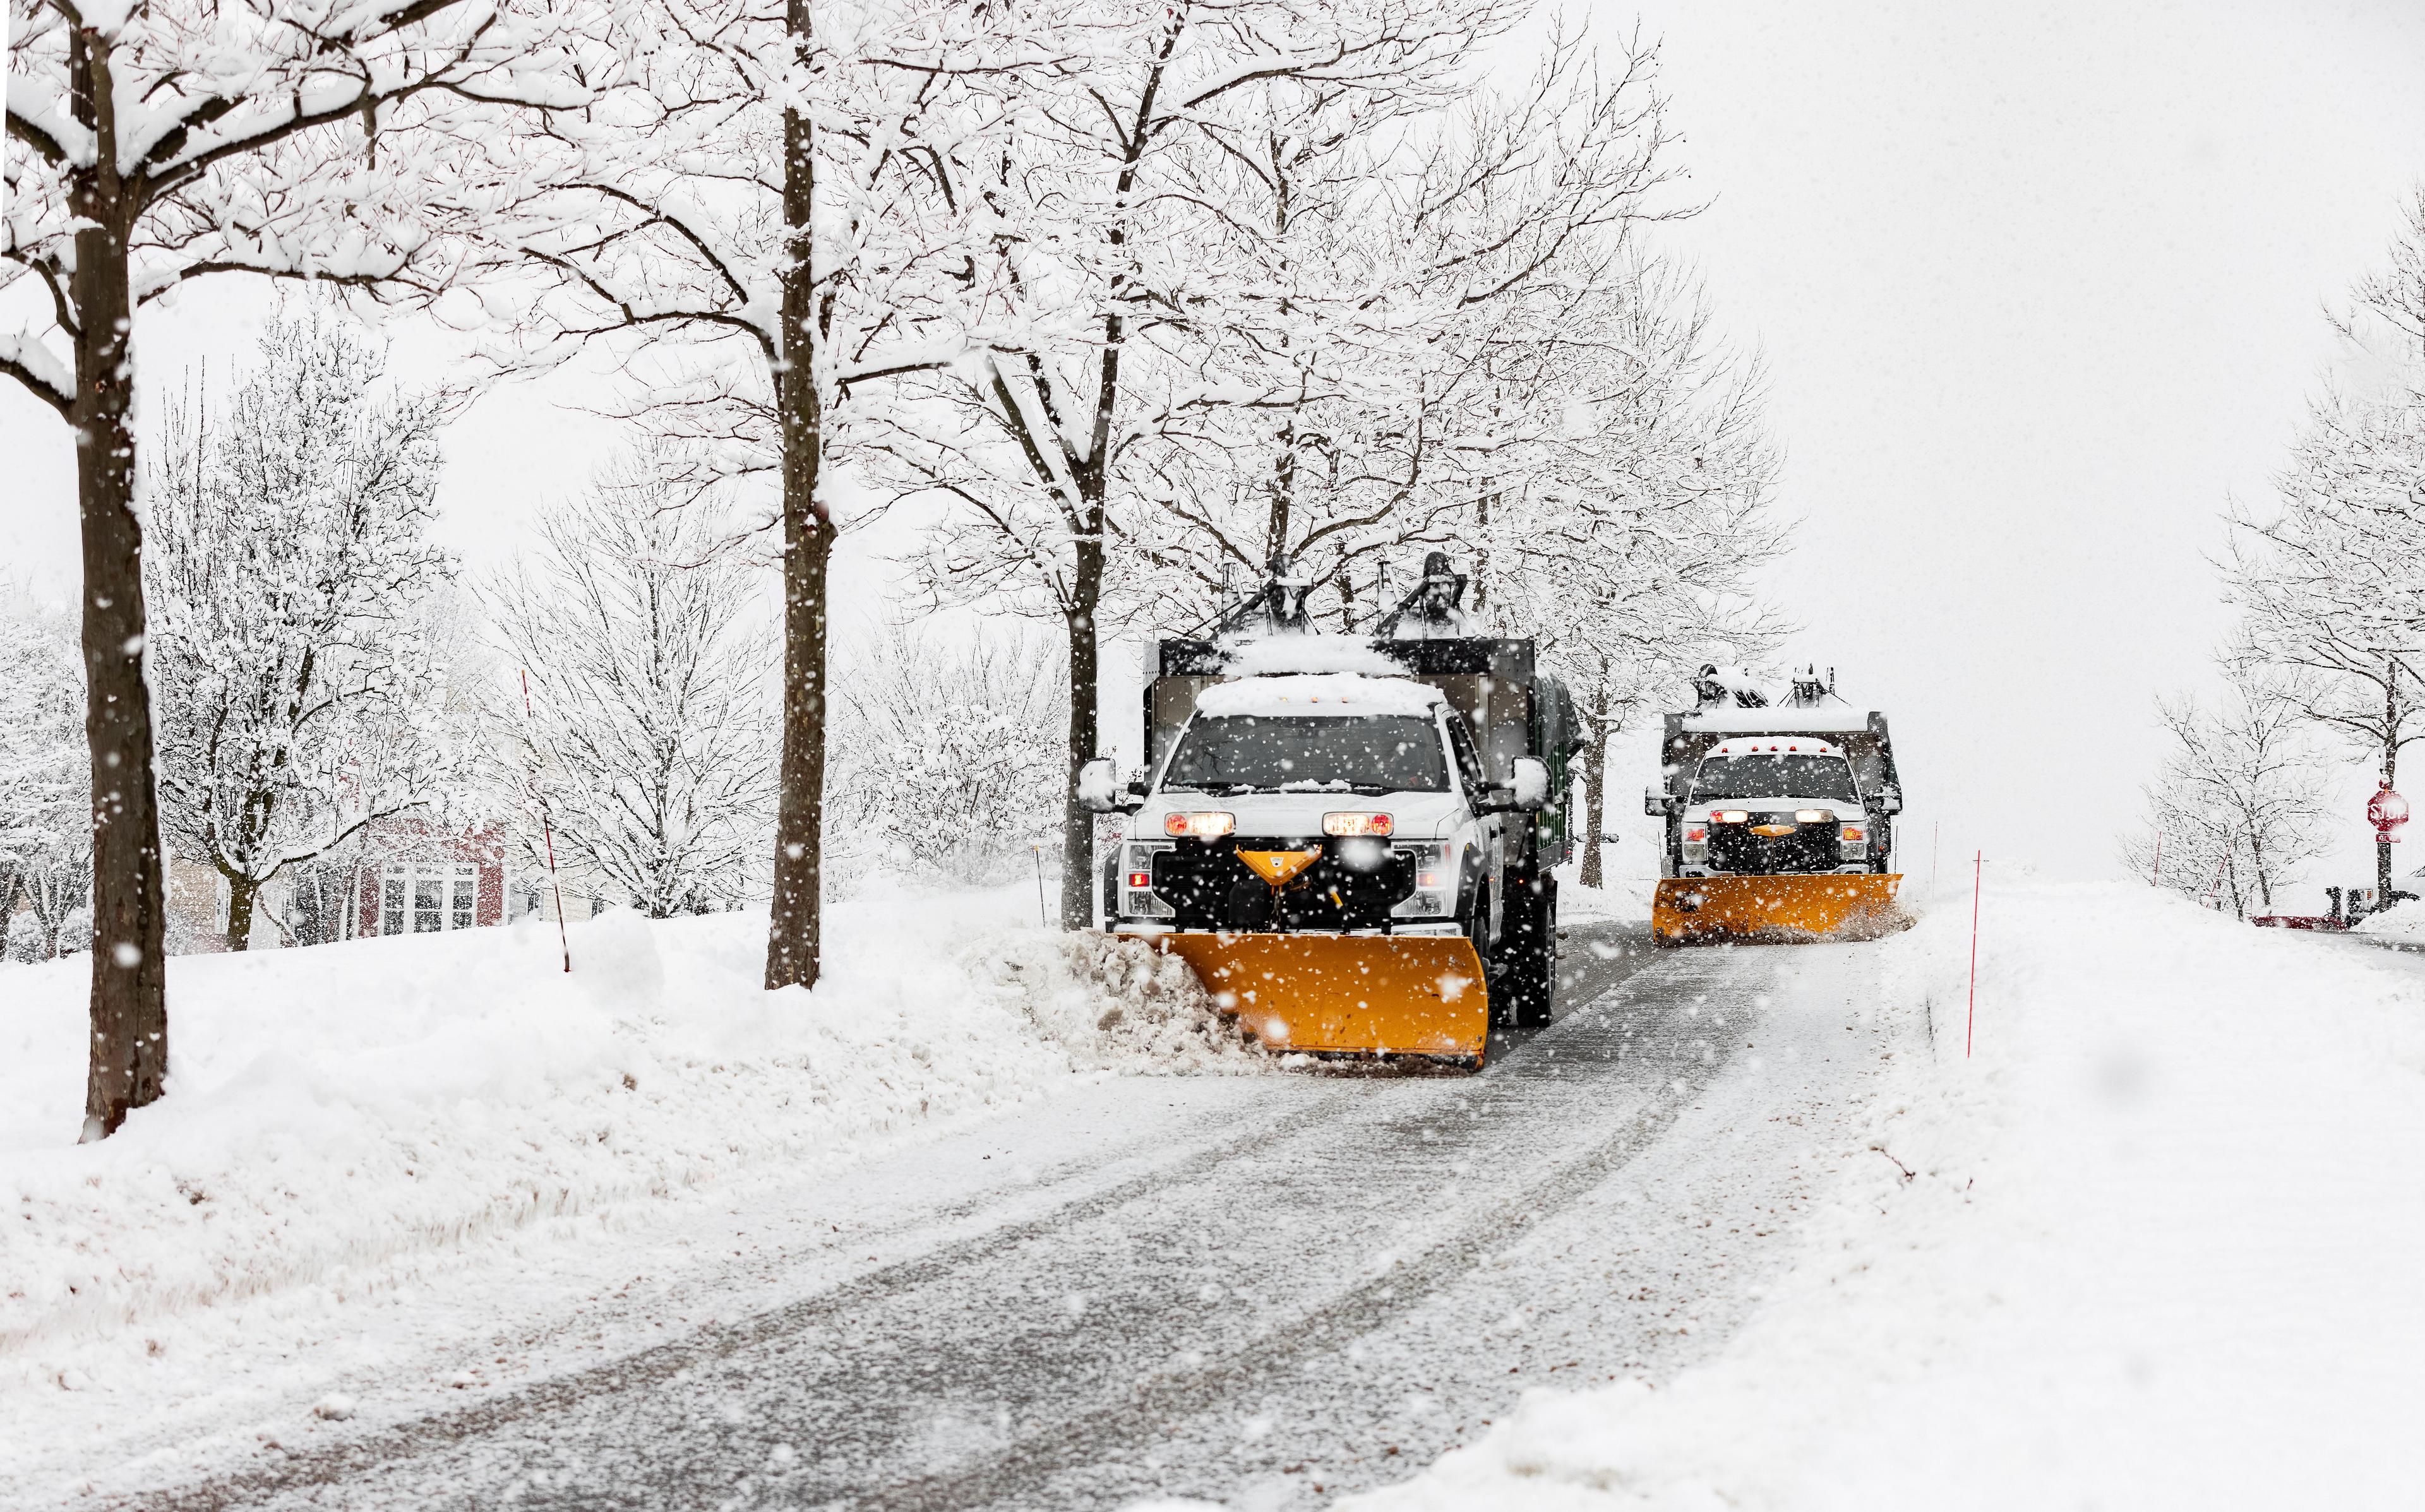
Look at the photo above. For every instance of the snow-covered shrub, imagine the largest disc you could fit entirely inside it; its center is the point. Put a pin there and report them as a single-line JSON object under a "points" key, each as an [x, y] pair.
{"points": [[948, 761], [45, 787], [75, 931], [25, 939]]}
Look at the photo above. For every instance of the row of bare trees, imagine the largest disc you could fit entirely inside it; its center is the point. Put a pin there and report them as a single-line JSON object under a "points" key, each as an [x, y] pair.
{"points": [[2329, 576], [1133, 293]]}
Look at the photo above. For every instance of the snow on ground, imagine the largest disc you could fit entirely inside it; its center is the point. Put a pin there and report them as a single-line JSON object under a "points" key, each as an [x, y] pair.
{"points": [[2161, 1243], [336, 1107], [1620, 899], [2401, 923]]}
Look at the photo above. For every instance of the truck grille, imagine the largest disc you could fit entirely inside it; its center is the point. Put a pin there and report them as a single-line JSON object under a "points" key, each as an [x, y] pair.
{"points": [[1208, 887], [1735, 849]]}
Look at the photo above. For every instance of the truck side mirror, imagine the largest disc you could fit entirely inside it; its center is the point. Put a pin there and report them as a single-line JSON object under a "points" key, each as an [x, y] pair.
{"points": [[1654, 802], [1099, 790], [1888, 800], [1532, 785]]}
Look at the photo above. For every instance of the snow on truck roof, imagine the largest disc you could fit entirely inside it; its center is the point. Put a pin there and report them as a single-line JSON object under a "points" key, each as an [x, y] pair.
{"points": [[1772, 745], [1778, 722], [1278, 654], [1337, 692]]}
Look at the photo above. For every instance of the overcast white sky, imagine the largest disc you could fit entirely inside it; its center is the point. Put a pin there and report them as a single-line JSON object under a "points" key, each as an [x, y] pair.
{"points": [[2039, 285]]}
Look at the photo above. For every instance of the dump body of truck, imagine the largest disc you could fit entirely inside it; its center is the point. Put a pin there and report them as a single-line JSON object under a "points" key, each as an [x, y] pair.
{"points": [[1779, 821], [1348, 838]]}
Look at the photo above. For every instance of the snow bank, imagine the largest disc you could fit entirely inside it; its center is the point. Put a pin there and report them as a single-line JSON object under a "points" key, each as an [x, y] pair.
{"points": [[335, 1106], [2156, 1245], [1343, 692], [2401, 922]]}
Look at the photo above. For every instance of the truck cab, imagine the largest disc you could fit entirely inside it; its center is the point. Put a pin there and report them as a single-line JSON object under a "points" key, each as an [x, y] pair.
{"points": [[1772, 806], [1375, 782]]}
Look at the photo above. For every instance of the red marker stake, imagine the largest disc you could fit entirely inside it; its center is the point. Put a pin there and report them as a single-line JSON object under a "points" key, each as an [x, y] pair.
{"points": [[1970, 1026]]}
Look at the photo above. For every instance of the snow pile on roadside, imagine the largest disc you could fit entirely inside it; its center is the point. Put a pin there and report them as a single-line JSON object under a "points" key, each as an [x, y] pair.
{"points": [[2404, 922], [334, 1108], [2156, 1245], [1111, 1004]]}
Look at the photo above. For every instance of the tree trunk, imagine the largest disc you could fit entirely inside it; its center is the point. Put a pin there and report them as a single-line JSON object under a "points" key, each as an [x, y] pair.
{"points": [[130, 978], [1595, 811], [1595, 789], [1085, 732], [242, 893], [2390, 776], [794, 931]]}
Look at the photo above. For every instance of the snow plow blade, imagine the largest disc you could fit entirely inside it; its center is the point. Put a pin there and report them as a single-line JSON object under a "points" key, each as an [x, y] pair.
{"points": [[1825, 906], [1330, 993]]}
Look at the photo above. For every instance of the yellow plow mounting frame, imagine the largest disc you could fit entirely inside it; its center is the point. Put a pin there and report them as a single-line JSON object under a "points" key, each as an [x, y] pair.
{"points": [[1816, 906], [1412, 995]]}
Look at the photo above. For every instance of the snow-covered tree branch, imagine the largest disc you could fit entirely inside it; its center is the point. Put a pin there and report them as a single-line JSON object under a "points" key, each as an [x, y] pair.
{"points": [[299, 694]]}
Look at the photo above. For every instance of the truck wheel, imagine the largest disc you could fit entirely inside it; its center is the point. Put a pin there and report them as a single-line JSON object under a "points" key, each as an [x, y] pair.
{"points": [[1476, 923], [1529, 974]]}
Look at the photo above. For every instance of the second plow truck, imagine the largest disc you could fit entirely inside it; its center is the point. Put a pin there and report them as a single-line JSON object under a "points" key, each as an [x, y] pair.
{"points": [[1348, 840], [1780, 819]]}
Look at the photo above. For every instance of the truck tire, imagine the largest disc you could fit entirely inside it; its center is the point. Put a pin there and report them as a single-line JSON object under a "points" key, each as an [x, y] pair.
{"points": [[1527, 977], [1475, 922]]}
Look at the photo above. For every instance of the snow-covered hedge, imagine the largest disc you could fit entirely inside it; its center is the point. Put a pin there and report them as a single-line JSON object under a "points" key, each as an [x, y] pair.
{"points": [[334, 1106]]}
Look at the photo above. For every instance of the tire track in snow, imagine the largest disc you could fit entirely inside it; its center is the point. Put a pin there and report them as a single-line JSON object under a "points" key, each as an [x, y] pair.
{"points": [[699, 1422]]}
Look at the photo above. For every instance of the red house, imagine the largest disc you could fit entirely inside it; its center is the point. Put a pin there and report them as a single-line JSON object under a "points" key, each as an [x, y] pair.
{"points": [[422, 880]]}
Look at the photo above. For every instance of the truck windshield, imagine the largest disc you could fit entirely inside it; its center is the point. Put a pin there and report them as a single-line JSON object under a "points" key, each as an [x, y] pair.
{"points": [[1298, 753], [1775, 776]]}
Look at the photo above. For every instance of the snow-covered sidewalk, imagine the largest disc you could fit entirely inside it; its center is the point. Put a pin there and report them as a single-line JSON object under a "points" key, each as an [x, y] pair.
{"points": [[2162, 1245], [336, 1109]]}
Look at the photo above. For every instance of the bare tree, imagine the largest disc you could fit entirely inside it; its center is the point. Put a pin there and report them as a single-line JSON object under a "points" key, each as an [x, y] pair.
{"points": [[300, 693], [2333, 581], [780, 202], [2236, 806], [646, 720], [1210, 345], [150, 145]]}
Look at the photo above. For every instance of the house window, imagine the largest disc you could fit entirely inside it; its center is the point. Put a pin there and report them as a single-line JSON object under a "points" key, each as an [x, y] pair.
{"points": [[425, 899]]}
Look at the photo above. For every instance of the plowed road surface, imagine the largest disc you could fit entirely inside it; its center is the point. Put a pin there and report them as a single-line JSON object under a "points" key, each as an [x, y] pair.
{"points": [[1264, 1290]]}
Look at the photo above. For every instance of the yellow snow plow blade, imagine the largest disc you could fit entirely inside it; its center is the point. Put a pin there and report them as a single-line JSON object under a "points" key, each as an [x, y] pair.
{"points": [[1386, 995], [1803, 907]]}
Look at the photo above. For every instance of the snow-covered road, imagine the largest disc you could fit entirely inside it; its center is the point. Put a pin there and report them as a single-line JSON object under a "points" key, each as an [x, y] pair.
{"points": [[1265, 1290]]}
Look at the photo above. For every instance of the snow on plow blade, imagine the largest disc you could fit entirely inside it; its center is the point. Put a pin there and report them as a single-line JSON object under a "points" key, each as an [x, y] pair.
{"points": [[1385, 995], [1805, 907]]}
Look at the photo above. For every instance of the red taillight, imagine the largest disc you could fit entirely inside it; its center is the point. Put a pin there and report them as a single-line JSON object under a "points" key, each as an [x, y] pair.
{"points": [[1140, 879]]}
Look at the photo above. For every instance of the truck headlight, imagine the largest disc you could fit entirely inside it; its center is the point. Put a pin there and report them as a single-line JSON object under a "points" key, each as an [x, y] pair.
{"points": [[1137, 899], [1435, 894]]}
